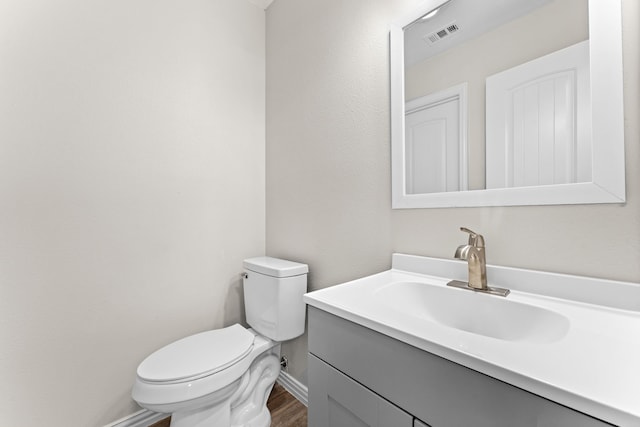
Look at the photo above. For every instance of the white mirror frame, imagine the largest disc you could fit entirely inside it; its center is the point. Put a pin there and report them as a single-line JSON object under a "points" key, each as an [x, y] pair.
{"points": [[607, 113]]}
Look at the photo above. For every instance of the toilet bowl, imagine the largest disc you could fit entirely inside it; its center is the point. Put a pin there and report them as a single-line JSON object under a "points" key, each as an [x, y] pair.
{"points": [[223, 377]]}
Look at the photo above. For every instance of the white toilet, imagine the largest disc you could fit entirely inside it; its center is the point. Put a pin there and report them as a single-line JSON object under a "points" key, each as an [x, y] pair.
{"points": [[222, 378]]}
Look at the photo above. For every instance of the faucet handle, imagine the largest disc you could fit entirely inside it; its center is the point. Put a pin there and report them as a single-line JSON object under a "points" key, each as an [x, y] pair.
{"points": [[475, 239]]}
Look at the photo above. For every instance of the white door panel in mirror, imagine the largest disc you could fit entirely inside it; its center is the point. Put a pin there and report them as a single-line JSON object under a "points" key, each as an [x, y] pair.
{"points": [[436, 142], [538, 121]]}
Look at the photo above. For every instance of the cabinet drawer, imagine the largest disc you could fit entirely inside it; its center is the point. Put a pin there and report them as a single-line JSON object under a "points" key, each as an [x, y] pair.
{"points": [[433, 389], [336, 400]]}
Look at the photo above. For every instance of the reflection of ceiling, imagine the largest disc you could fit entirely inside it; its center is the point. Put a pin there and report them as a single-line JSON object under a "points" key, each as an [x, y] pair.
{"points": [[458, 21], [264, 4]]}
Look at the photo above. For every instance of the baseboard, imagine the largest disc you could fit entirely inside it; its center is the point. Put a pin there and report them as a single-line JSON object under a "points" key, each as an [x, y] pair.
{"points": [[143, 418], [295, 387]]}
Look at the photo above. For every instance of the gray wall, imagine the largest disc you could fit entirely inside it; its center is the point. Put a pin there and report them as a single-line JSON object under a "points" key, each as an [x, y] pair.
{"points": [[131, 189], [328, 165]]}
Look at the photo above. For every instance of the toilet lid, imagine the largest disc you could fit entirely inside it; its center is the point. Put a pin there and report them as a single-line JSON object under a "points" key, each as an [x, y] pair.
{"points": [[197, 356]]}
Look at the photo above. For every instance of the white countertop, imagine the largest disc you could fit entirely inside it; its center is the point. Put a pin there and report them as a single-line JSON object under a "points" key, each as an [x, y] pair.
{"points": [[593, 368]]}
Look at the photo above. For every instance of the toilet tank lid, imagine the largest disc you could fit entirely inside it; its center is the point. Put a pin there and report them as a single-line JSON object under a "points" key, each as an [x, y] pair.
{"points": [[275, 267]]}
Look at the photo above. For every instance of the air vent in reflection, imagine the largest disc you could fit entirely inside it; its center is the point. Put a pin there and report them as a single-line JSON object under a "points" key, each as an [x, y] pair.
{"points": [[442, 33]]}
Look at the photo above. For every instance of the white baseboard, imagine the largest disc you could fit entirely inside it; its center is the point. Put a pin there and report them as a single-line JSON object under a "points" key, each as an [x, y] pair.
{"points": [[143, 418], [295, 387]]}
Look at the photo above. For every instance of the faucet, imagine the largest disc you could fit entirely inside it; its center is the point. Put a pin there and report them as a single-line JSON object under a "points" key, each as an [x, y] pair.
{"points": [[474, 253]]}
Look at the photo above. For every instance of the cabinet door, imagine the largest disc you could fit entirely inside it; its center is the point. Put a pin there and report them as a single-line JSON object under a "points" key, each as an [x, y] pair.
{"points": [[335, 400]]}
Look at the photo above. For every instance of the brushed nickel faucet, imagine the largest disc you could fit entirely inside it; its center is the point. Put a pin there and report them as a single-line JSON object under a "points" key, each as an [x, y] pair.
{"points": [[474, 253]]}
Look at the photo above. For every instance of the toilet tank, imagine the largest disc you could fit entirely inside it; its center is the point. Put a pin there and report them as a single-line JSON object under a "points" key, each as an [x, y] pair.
{"points": [[273, 290]]}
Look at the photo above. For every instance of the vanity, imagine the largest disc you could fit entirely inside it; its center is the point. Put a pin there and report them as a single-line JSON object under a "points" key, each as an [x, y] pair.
{"points": [[527, 112], [400, 348]]}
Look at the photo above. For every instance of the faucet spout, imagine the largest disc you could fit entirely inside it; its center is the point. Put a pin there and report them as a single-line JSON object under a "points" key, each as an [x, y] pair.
{"points": [[462, 252]]}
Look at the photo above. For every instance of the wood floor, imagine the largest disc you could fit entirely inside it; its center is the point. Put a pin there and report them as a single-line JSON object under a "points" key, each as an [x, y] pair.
{"points": [[286, 410]]}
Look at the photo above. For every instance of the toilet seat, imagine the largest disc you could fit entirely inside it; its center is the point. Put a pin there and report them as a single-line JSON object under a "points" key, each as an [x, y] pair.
{"points": [[169, 396], [197, 356]]}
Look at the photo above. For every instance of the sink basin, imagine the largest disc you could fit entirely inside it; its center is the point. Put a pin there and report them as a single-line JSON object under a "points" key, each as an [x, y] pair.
{"points": [[480, 314]]}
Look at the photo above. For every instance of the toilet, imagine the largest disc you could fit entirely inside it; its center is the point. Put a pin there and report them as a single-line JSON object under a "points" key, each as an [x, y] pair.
{"points": [[223, 377]]}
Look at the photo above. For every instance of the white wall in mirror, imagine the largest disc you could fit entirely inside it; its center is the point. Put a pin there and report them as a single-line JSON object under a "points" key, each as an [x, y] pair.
{"points": [[607, 172]]}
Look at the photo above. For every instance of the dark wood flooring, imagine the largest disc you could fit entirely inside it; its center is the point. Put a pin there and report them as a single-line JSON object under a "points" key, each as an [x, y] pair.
{"points": [[162, 423], [286, 410]]}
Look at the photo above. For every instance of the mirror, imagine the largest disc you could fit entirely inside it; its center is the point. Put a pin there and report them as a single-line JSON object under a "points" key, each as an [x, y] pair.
{"points": [[504, 103]]}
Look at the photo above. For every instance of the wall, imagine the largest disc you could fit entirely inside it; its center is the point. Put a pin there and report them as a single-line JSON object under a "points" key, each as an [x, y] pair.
{"points": [[328, 165], [131, 189]]}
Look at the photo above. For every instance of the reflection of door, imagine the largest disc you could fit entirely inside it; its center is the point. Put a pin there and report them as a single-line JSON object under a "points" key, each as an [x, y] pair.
{"points": [[538, 121], [434, 142]]}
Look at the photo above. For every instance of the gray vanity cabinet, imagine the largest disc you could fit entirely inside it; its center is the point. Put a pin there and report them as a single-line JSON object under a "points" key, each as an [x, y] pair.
{"points": [[359, 377]]}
